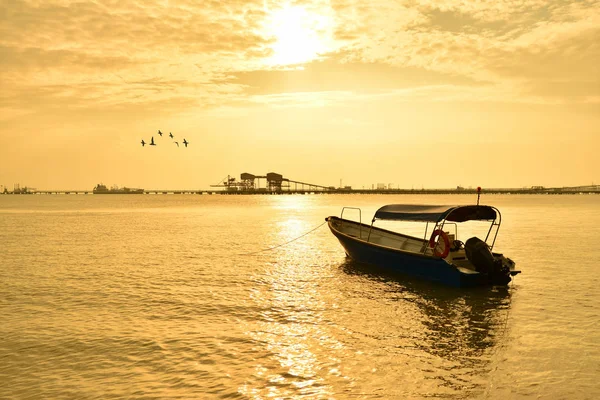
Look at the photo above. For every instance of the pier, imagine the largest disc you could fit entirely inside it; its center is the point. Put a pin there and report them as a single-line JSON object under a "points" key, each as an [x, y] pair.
{"points": [[275, 184], [566, 190]]}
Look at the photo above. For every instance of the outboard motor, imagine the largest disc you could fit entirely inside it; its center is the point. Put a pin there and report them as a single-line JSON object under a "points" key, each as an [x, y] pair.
{"points": [[482, 258]]}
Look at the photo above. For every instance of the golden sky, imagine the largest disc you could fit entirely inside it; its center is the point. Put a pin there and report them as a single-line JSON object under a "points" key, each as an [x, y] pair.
{"points": [[418, 93]]}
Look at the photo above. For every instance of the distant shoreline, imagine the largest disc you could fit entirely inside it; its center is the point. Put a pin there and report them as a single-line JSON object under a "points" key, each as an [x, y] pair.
{"points": [[546, 191]]}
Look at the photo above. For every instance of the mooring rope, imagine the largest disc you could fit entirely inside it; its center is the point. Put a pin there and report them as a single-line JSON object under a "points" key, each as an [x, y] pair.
{"points": [[283, 244]]}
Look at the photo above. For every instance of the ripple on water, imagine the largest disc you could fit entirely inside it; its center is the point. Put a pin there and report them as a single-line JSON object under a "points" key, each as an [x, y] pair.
{"points": [[153, 300]]}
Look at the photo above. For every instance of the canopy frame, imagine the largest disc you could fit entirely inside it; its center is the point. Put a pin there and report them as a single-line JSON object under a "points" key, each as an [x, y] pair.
{"points": [[435, 213], [440, 215]]}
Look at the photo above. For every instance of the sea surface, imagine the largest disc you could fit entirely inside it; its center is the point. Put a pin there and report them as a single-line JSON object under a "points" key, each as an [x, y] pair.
{"points": [[210, 297]]}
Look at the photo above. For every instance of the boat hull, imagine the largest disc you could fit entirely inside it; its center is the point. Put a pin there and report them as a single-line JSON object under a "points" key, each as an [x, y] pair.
{"points": [[422, 266], [119, 191]]}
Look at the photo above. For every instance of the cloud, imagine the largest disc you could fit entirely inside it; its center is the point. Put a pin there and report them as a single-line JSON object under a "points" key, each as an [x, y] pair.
{"points": [[535, 47], [112, 53], [107, 54], [492, 10], [332, 74]]}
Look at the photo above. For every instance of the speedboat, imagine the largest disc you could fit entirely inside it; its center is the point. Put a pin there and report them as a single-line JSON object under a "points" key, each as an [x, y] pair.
{"points": [[439, 255]]}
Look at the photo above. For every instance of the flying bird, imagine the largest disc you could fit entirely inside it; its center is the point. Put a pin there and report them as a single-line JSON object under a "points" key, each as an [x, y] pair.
{"points": [[185, 142], [159, 132], [143, 143], [152, 142], [170, 135], [177, 143]]}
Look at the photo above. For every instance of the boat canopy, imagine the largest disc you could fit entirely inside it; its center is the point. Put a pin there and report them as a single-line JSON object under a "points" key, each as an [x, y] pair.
{"points": [[428, 213]]}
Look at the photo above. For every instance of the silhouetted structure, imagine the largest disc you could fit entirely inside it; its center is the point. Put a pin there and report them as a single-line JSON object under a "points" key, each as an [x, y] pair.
{"points": [[102, 189], [276, 183], [273, 183]]}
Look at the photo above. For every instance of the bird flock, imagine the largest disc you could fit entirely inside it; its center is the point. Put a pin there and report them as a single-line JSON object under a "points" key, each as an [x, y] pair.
{"points": [[185, 142]]}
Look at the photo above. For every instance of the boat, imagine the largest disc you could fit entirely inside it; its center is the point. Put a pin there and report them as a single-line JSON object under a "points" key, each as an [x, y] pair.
{"points": [[102, 189], [441, 257]]}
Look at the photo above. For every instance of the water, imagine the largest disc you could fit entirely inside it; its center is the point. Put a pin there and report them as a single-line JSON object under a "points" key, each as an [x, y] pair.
{"points": [[150, 297]]}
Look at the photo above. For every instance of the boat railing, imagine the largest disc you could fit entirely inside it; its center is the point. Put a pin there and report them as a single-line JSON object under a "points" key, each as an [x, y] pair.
{"points": [[438, 225], [455, 229], [496, 222], [425, 235], [359, 218]]}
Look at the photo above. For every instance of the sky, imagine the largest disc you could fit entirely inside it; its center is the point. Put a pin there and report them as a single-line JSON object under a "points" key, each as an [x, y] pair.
{"points": [[416, 93]]}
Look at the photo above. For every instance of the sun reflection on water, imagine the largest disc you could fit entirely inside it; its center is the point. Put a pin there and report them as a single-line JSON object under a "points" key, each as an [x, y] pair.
{"points": [[292, 330]]}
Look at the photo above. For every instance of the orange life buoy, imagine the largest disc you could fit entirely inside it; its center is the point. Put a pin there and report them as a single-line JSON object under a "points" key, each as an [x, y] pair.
{"points": [[433, 241]]}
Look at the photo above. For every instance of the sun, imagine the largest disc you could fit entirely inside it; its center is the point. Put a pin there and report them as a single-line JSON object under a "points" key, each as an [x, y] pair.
{"points": [[299, 35]]}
